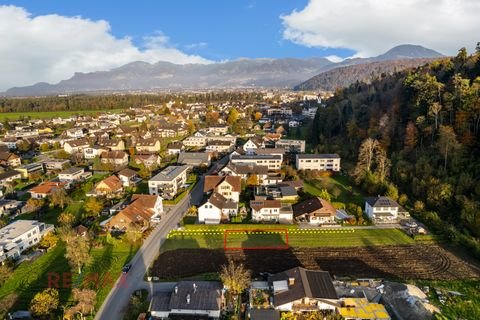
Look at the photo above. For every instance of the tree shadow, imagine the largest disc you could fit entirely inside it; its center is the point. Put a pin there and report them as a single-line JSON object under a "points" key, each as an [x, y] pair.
{"points": [[56, 274]]}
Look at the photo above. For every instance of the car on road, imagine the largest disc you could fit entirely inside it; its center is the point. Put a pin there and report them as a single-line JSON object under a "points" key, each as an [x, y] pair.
{"points": [[126, 268]]}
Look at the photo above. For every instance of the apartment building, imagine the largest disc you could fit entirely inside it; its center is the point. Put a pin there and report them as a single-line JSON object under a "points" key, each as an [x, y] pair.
{"points": [[321, 162]]}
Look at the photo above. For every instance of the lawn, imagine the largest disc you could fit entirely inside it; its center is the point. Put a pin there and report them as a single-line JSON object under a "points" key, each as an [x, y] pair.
{"points": [[212, 237], [105, 265], [335, 184], [52, 114], [466, 306], [50, 215]]}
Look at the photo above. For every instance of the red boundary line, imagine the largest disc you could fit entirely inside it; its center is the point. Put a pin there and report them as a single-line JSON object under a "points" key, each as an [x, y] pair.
{"points": [[227, 231]]}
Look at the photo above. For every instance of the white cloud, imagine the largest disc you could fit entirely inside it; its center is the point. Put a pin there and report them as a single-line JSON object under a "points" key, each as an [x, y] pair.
{"points": [[335, 58], [52, 47], [193, 46], [371, 27]]}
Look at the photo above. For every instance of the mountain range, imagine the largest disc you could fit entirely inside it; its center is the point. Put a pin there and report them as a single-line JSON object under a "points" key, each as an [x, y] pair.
{"points": [[262, 73]]}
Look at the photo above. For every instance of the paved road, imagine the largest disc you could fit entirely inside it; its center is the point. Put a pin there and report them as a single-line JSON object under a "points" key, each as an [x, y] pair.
{"points": [[114, 305]]}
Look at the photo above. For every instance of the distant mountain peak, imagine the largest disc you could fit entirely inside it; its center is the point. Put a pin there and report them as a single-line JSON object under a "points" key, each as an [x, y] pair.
{"points": [[409, 51]]}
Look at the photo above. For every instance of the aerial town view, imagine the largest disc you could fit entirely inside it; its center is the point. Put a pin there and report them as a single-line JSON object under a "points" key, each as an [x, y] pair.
{"points": [[240, 160]]}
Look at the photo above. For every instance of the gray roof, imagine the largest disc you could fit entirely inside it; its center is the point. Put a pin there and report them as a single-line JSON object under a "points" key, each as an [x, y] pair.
{"points": [[9, 174], [264, 314], [206, 296], [72, 170], [257, 157], [307, 283], [288, 191], [381, 202], [169, 173], [195, 158], [318, 156]]}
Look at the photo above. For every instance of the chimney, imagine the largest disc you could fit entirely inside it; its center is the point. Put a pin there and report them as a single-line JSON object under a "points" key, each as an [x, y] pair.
{"points": [[291, 281], [176, 289], [188, 298]]}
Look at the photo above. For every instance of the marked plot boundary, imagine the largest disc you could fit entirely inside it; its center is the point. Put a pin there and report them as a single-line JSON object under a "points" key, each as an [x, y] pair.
{"points": [[256, 232]]}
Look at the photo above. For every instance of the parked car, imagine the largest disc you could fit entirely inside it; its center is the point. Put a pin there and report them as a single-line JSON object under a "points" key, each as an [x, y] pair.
{"points": [[126, 268]]}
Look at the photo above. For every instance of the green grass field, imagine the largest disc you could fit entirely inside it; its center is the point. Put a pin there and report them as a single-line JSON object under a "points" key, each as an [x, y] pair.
{"points": [[105, 264], [212, 237], [338, 182], [466, 306], [52, 114]]}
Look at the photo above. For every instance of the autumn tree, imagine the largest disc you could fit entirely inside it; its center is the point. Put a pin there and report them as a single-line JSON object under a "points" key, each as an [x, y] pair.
{"points": [[34, 204], [434, 110], [93, 207], [144, 172], [325, 195], [60, 198], [77, 252], [85, 299], [252, 180], [66, 219], [212, 118], [49, 240], [133, 232], [232, 116], [235, 277], [447, 142], [44, 303], [257, 116], [411, 134]]}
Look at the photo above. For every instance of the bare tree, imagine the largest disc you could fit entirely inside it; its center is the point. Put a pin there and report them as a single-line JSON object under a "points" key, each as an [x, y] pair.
{"points": [[365, 156], [435, 109], [447, 141], [78, 252], [235, 277]]}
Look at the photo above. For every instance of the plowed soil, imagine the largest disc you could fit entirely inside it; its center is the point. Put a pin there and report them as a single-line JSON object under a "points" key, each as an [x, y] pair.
{"points": [[394, 262]]}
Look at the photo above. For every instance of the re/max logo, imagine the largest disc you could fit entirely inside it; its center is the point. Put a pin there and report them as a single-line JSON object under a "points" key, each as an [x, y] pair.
{"points": [[92, 280]]}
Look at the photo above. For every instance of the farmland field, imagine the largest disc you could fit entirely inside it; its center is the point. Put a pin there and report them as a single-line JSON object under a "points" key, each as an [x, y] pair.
{"points": [[391, 262], [51, 114]]}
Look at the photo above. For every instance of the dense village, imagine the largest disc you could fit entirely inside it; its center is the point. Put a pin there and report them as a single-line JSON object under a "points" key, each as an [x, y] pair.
{"points": [[123, 174]]}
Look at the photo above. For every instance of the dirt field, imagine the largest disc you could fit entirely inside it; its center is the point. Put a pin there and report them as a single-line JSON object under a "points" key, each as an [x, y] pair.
{"points": [[391, 262]]}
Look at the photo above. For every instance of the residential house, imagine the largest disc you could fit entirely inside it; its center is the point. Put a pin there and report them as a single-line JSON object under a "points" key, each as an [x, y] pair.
{"points": [[8, 159], [128, 177], [302, 290], [56, 164], [195, 141], [279, 191], [118, 159], [290, 145], [148, 160], [114, 144], [93, 152], [9, 206], [11, 143], [168, 182], [216, 209], [27, 170], [220, 146], [195, 159], [143, 210], [270, 210], [228, 186], [253, 144], [218, 130], [45, 189], [382, 209], [314, 211], [175, 148], [321, 162], [189, 300], [20, 235], [109, 186], [76, 133], [9, 176], [73, 174], [150, 145], [272, 162], [246, 170], [75, 146]]}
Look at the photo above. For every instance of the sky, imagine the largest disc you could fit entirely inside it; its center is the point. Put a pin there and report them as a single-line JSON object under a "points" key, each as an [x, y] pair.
{"points": [[50, 40]]}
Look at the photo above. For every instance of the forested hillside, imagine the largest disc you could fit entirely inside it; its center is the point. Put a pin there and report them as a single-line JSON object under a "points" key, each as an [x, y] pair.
{"points": [[414, 136], [365, 72]]}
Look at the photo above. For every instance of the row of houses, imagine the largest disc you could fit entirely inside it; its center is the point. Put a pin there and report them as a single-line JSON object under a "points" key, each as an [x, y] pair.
{"points": [[294, 290]]}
